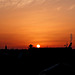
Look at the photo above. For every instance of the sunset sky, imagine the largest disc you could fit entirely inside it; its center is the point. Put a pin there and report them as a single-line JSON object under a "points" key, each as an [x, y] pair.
{"points": [[45, 22]]}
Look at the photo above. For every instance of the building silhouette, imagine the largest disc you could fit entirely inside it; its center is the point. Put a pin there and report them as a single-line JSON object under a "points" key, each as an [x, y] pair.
{"points": [[5, 47], [30, 46]]}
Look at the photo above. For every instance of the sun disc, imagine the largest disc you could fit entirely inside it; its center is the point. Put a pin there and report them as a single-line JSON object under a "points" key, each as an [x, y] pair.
{"points": [[38, 46]]}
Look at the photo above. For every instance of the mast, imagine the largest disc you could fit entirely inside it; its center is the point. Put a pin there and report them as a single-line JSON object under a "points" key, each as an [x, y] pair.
{"points": [[70, 46]]}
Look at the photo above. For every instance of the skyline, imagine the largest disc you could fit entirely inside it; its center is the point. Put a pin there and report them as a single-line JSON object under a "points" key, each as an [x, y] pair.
{"points": [[45, 22]]}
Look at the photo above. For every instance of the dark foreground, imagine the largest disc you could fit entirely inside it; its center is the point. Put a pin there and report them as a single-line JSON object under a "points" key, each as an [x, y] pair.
{"points": [[43, 61]]}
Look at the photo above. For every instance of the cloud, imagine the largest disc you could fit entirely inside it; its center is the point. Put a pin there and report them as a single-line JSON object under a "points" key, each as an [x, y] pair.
{"points": [[40, 1], [18, 3], [55, 4], [58, 8], [71, 7], [58, 0]]}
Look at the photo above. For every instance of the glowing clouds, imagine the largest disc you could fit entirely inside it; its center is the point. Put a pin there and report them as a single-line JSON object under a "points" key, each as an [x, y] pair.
{"points": [[14, 3], [17, 3], [59, 8], [40, 1], [72, 7], [55, 4]]}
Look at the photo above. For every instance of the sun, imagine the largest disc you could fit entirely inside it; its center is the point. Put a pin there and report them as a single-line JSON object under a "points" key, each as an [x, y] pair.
{"points": [[38, 46]]}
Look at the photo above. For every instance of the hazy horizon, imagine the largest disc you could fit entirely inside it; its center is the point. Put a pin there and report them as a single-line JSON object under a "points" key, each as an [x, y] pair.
{"points": [[45, 22]]}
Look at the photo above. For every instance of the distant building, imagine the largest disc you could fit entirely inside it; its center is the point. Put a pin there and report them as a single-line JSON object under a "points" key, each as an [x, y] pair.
{"points": [[6, 47], [30, 46]]}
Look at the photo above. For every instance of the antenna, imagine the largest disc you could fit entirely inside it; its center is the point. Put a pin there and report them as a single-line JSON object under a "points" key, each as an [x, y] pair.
{"points": [[70, 46], [71, 38]]}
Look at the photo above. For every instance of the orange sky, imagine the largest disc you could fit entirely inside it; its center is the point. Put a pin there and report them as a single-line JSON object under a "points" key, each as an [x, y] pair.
{"points": [[45, 22]]}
